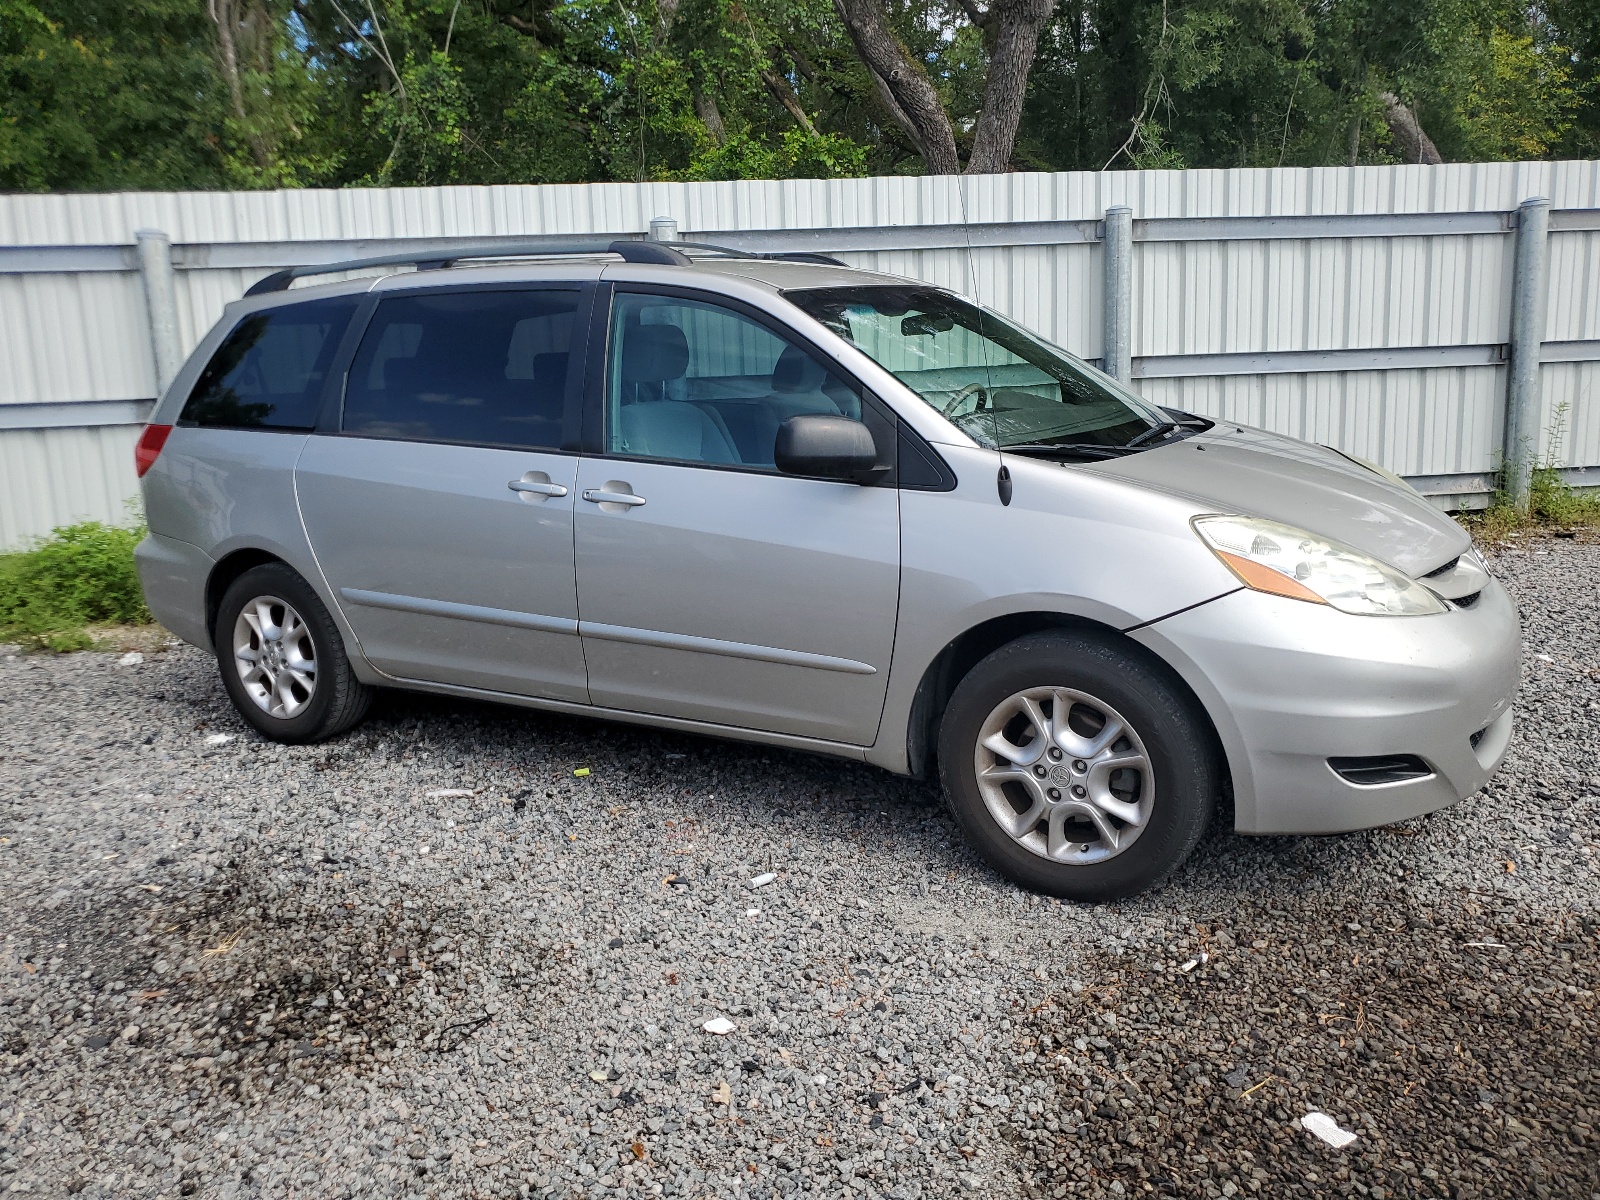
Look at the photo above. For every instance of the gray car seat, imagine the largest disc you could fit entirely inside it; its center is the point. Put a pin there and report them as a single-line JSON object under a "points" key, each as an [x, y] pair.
{"points": [[648, 424], [797, 387]]}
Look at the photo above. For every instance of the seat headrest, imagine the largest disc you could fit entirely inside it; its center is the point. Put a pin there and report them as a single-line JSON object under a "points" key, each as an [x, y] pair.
{"points": [[797, 371], [654, 354]]}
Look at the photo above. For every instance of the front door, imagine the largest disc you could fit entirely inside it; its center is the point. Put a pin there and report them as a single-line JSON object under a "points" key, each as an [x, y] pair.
{"points": [[441, 511], [711, 586]]}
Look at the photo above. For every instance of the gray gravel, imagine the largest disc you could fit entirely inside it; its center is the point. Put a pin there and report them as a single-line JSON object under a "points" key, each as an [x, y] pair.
{"points": [[430, 960]]}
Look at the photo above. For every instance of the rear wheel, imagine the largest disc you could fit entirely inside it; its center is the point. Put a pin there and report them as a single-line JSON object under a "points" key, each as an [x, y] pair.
{"points": [[1077, 768], [283, 662]]}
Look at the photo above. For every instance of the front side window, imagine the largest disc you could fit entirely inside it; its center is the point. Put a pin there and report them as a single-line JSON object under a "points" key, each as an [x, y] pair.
{"points": [[480, 367], [1001, 384], [269, 372], [696, 382]]}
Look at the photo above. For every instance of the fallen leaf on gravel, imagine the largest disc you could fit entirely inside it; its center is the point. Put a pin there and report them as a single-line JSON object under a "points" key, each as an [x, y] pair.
{"points": [[581, 772], [638, 1150], [150, 887], [718, 1025], [1326, 1128], [225, 945], [722, 1093]]}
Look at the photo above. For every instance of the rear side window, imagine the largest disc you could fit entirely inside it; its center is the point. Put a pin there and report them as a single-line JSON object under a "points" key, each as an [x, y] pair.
{"points": [[269, 372], [481, 368]]}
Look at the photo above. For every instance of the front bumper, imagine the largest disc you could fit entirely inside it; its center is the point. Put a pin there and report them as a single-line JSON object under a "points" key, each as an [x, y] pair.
{"points": [[1290, 684]]}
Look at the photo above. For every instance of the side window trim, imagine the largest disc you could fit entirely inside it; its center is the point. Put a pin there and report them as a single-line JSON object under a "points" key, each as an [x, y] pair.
{"points": [[595, 441], [331, 420], [338, 375]]}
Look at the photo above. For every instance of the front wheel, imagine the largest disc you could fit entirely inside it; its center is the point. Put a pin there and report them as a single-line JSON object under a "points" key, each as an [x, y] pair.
{"points": [[1077, 767], [283, 662]]}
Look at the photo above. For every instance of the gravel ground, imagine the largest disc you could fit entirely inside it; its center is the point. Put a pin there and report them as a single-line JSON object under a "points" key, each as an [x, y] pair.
{"points": [[433, 960]]}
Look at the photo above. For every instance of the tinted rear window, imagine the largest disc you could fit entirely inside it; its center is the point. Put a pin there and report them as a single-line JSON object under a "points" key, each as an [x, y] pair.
{"points": [[484, 368], [268, 373]]}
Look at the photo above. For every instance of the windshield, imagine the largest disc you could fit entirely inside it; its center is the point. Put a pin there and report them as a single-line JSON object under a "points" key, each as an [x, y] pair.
{"points": [[1001, 384]]}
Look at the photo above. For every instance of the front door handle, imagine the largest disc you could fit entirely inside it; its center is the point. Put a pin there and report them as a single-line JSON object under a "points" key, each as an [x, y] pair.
{"points": [[600, 496], [536, 488]]}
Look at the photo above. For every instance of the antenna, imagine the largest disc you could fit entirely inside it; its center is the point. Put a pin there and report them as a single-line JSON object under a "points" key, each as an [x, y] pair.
{"points": [[1003, 483]]}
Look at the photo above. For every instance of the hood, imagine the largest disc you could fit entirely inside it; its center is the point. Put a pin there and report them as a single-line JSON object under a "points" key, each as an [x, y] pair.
{"points": [[1250, 472]]}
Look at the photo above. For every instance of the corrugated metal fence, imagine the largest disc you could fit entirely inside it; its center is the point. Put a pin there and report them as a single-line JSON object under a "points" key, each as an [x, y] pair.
{"points": [[1367, 307]]}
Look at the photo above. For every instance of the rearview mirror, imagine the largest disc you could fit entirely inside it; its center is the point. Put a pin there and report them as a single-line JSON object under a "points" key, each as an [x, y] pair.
{"points": [[826, 447], [921, 324]]}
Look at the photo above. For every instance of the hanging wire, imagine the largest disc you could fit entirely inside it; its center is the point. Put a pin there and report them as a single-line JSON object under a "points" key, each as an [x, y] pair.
{"points": [[1003, 476]]}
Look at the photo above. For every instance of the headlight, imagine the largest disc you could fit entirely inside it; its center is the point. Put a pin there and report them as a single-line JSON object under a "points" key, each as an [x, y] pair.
{"points": [[1285, 561]]}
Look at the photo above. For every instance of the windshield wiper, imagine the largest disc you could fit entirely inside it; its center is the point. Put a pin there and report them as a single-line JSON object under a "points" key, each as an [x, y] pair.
{"points": [[1065, 450], [1151, 434]]}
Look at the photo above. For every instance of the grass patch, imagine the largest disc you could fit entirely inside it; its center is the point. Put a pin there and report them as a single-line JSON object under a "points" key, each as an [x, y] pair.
{"points": [[78, 576], [1552, 502]]}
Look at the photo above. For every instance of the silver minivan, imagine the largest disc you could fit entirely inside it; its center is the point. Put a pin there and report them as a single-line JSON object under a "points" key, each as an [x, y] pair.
{"points": [[783, 500]]}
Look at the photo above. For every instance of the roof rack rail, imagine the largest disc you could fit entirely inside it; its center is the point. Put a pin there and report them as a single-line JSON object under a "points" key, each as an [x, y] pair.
{"points": [[810, 256], [635, 250]]}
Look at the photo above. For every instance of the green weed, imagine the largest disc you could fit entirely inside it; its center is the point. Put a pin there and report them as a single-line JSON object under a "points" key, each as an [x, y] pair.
{"points": [[80, 575], [1551, 499]]}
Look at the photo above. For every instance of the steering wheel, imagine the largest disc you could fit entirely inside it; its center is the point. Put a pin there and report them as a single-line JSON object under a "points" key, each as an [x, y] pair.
{"points": [[955, 401]]}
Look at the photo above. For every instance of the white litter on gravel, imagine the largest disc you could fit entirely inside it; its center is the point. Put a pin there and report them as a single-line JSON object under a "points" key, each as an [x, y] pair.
{"points": [[1326, 1128], [718, 1026], [447, 793], [219, 739], [131, 659], [763, 879]]}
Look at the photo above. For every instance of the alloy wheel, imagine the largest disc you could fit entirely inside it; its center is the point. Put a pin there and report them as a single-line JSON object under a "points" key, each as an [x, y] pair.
{"points": [[275, 656], [1064, 775]]}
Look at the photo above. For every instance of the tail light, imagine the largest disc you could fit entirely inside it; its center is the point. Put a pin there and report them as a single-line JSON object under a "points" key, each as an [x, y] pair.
{"points": [[150, 442]]}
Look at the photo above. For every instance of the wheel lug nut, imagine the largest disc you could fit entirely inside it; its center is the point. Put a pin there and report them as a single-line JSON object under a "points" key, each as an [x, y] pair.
{"points": [[1080, 765], [1079, 792], [1039, 771], [1055, 794], [1055, 756]]}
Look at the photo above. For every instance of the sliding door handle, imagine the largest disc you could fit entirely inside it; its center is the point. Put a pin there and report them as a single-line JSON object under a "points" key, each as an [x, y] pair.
{"points": [[600, 496], [536, 488]]}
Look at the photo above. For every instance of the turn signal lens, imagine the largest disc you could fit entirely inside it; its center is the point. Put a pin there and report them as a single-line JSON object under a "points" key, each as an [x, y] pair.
{"points": [[149, 448], [1284, 561]]}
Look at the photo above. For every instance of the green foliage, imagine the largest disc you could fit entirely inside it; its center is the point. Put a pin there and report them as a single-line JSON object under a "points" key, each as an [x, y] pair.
{"points": [[82, 574], [798, 155], [141, 94]]}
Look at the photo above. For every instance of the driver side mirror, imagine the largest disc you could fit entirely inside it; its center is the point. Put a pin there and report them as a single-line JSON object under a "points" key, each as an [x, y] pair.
{"points": [[821, 446]]}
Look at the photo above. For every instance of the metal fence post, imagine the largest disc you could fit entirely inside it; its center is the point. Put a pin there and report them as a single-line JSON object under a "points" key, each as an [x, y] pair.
{"points": [[1527, 337], [663, 229], [161, 303], [1117, 356]]}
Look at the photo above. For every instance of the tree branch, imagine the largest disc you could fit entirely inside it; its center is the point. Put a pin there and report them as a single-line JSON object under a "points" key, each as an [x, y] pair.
{"points": [[784, 95], [908, 93], [977, 16], [1014, 28], [1410, 138]]}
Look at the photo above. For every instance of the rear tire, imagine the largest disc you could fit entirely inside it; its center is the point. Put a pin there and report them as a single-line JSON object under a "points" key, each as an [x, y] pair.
{"points": [[282, 659], [1077, 767]]}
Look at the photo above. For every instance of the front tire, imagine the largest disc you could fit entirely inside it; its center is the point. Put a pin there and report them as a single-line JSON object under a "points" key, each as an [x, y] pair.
{"points": [[1077, 767], [282, 660]]}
